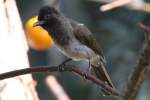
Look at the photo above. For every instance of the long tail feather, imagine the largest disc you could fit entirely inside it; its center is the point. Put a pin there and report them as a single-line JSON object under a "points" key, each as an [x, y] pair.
{"points": [[102, 74]]}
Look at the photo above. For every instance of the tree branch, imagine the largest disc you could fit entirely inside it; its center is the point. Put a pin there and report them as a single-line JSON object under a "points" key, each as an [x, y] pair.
{"points": [[139, 5], [56, 88], [141, 68], [58, 69], [114, 4]]}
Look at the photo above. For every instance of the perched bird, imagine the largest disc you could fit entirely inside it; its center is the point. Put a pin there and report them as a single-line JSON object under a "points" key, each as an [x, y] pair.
{"points": [[74, 40]]}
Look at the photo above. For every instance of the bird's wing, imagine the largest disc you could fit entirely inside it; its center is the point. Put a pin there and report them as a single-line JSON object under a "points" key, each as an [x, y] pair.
{"points": [[83, 35]]}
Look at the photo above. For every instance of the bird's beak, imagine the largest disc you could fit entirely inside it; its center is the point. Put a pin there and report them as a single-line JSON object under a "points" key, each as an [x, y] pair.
{"points": [[38, 23]]}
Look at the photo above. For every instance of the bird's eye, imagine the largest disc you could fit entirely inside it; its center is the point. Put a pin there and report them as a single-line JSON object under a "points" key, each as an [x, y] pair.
{"points": [[47, 16]]}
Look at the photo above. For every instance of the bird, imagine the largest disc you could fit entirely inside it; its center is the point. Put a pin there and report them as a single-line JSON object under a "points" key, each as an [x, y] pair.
{"points": [[74, 40]]}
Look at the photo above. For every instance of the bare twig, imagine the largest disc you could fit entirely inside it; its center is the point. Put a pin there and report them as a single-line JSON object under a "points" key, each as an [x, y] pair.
{"points": [[115, 4], [141, 68], [58, 69], [56, 88], [139, 5]]}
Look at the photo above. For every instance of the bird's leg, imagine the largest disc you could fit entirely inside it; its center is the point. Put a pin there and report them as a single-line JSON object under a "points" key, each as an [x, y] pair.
{"points": [[88, 70], [89, 67], [63, 64], [66, 61]]}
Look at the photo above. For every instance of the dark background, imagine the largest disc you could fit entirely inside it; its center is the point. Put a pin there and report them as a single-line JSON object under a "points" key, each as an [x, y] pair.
{"points": [[117, 32]]}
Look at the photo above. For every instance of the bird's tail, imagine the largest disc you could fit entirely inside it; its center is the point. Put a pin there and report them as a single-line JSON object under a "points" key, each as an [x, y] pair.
{"points": [[102, 74]]}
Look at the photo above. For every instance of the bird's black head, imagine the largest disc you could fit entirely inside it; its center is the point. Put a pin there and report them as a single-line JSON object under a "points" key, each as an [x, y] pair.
{"points": [[47, 16]]}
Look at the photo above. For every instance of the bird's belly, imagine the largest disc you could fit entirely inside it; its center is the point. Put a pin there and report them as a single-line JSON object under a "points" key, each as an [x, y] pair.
{"points": [[77, 52]]}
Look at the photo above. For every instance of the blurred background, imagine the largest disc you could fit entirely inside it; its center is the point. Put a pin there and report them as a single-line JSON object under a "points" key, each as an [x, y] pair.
{"points": [[116, 31]]}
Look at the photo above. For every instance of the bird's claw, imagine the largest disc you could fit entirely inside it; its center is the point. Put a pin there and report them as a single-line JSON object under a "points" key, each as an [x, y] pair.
{"points": [[61, 67], [85, 75]]}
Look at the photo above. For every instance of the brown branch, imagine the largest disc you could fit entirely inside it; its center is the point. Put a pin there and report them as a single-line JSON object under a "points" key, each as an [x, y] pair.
{"points": [[58, 69], [141, 68]]}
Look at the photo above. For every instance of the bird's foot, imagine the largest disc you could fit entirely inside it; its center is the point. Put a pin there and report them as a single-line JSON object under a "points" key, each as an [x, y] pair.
{"points": [[89, 71], [85, 75], [61, 68]]}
